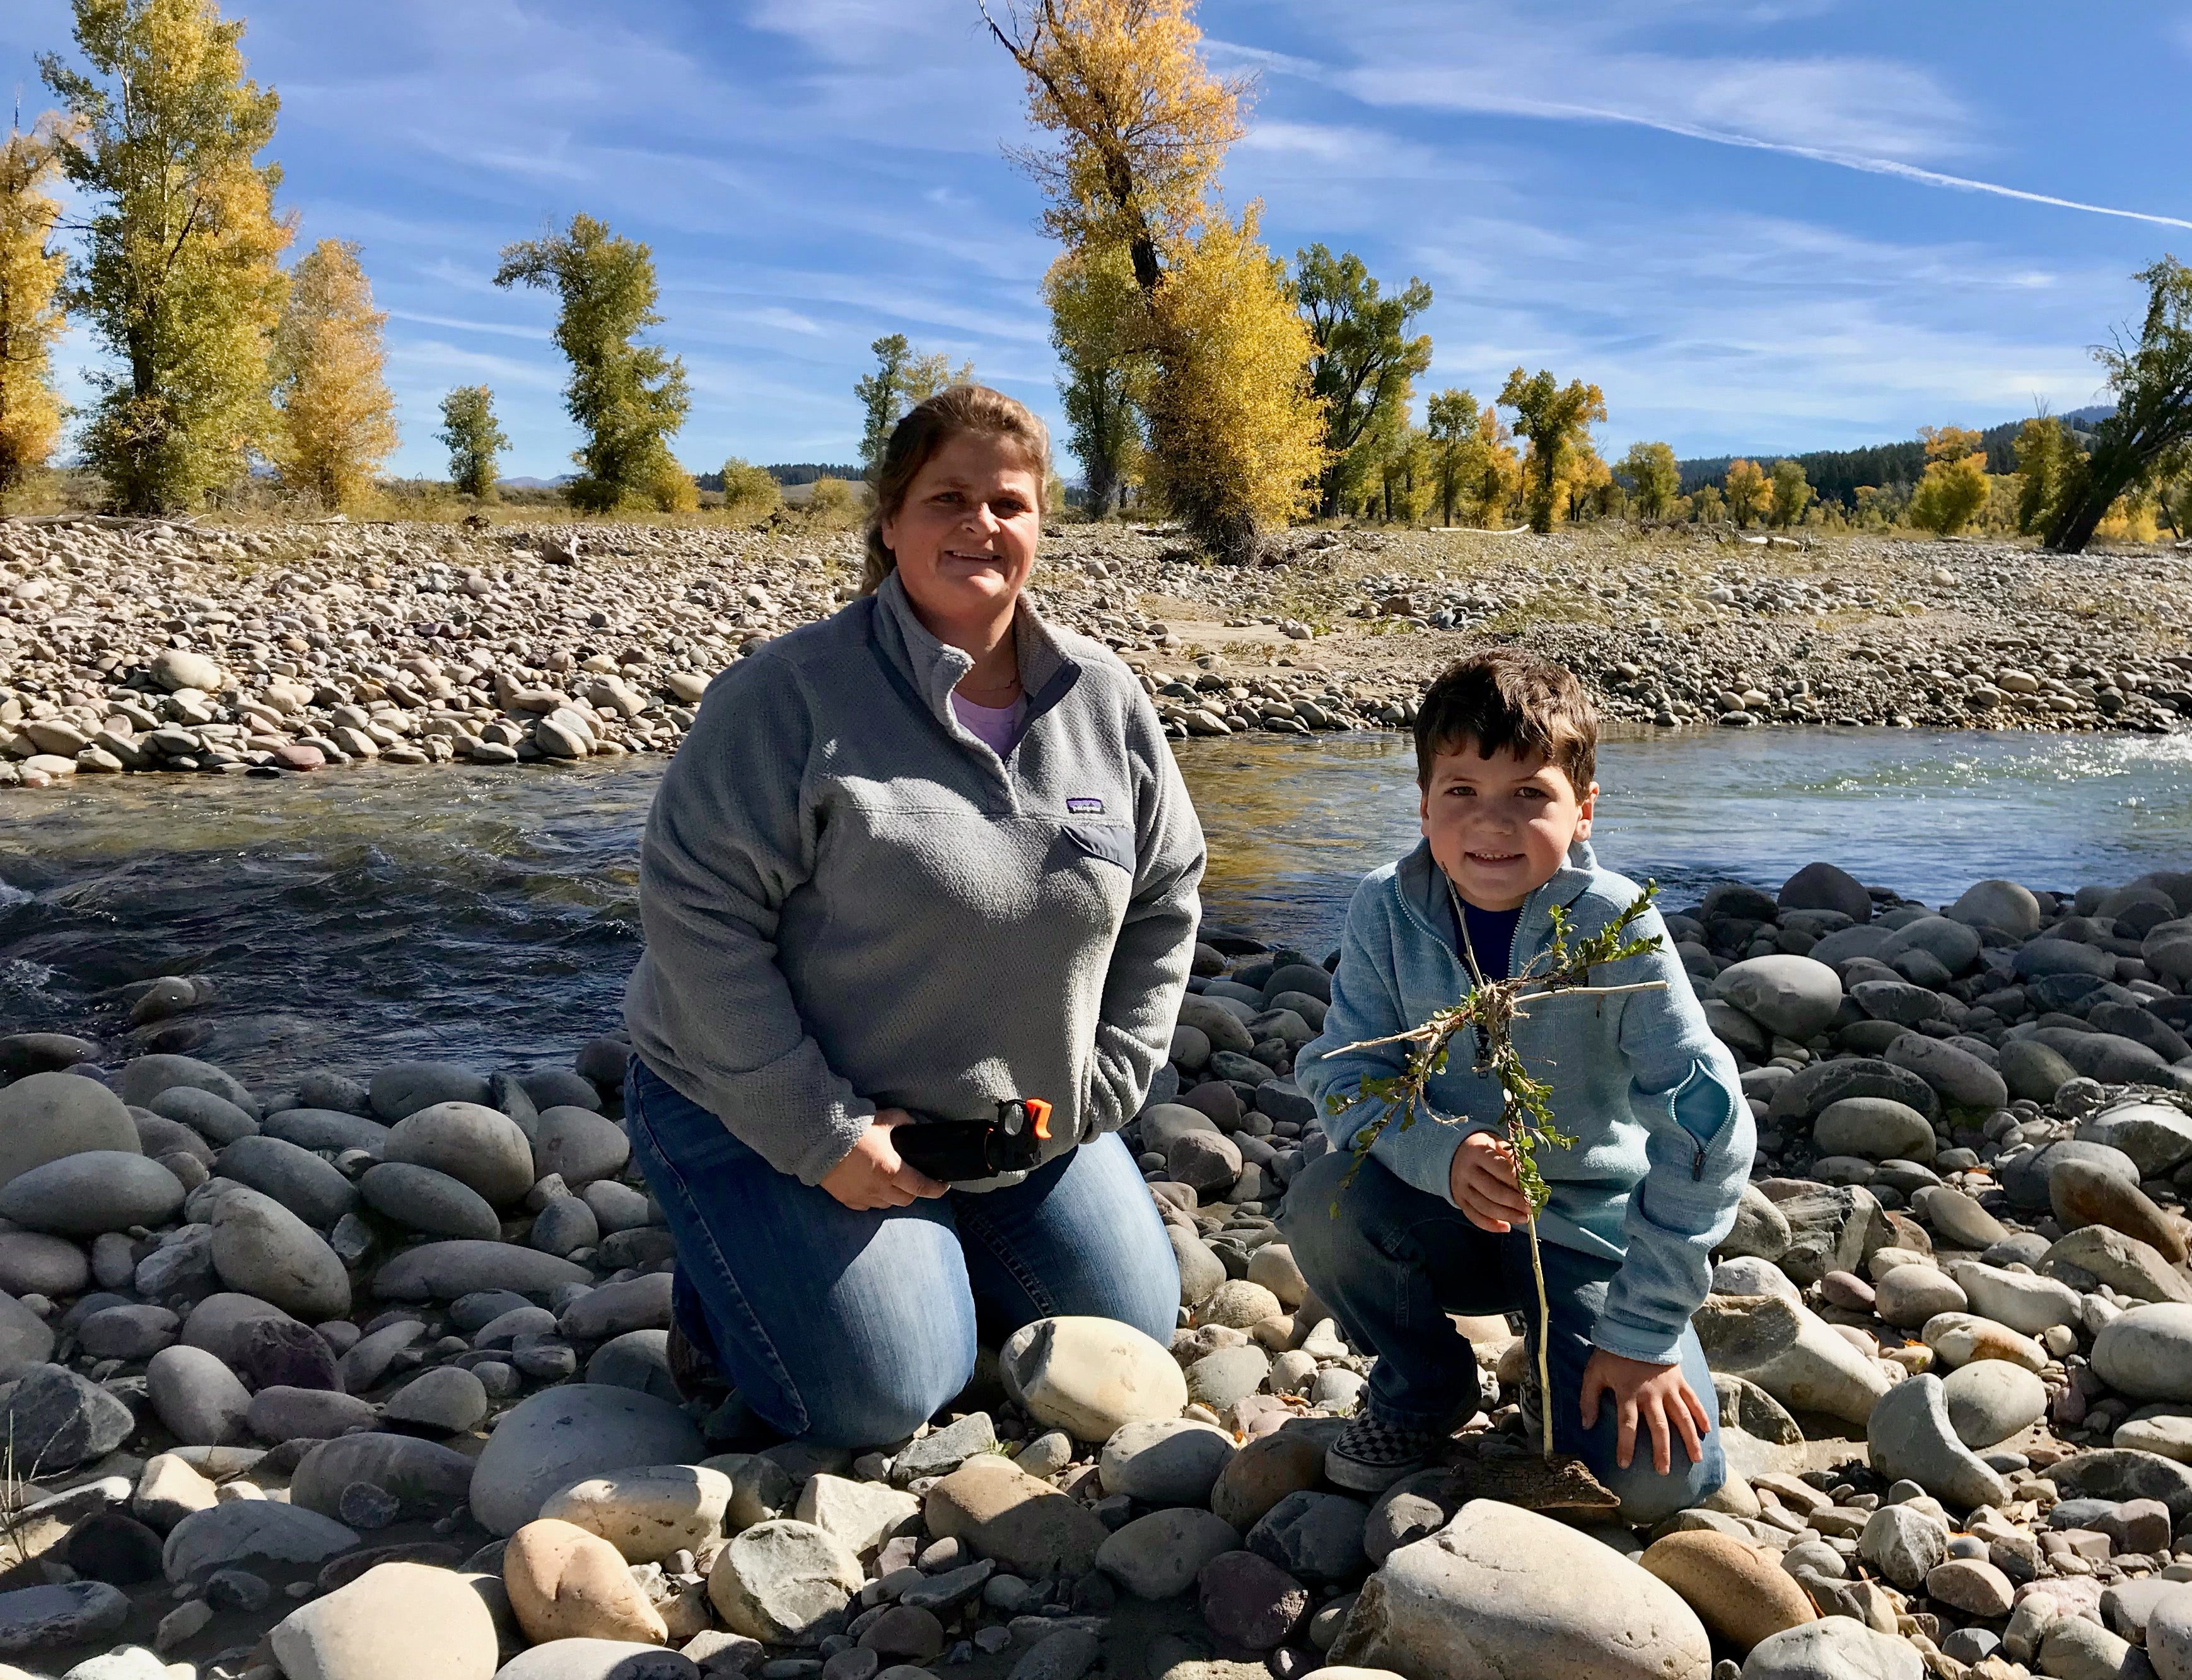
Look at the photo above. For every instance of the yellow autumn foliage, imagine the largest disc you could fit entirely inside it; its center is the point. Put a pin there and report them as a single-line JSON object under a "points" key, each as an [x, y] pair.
{"points": [[1235, 432], [178, 278], [338, 421], [31, 317]]}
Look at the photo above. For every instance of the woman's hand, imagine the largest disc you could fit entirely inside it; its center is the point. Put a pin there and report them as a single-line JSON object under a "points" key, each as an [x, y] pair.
{"points": [[873, 1176], [1482, 1183]]}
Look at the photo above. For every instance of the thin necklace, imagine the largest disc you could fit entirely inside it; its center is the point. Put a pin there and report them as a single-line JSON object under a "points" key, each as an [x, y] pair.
{"points": [[1461, 921], [1008, 689]]}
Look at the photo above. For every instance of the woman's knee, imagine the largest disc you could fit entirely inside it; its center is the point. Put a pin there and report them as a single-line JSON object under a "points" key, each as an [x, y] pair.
{"points": [[882, 1394]]}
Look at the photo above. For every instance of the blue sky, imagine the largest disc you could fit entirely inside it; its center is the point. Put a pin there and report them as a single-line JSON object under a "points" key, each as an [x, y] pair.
{"points": [[1741, 217]]}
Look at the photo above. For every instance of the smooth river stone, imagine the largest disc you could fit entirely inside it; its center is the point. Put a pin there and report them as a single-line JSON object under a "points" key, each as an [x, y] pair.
{"points": [[420, 1199], [308, 1186], [1911, 1437], [327, 1128], [579, 1144], [26, 1339], [397, 1619], [1091, 1376], [1873, 1129], [424, 1477], [262, 1249], [49, 1116], [232, 1535], [565, 1434], [215, 1118], [475, 1145], [144, 1079], [2147, 1353], [402, 1088], [1501, 1593], [32, 1263], [197, 1396], [1990, 1400], [445, 1271], [86, 1194]]}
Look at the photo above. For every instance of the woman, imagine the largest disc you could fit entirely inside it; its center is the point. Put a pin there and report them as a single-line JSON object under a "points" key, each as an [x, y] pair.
{"points": [[923, 855]]}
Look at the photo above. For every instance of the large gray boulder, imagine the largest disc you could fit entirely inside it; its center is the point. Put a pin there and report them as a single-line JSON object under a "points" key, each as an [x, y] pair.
{"points": [[98, 1191], [261, 1248], [565, 1434], [1837, 1648], [2147, 1353], [48, 1116], [473, 1144], [1501, 1593], [1792, 995]]}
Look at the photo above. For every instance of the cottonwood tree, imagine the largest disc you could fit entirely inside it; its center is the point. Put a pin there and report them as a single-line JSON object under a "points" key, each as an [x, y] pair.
{"points": [[1748, 491], [1955, 488], [30, 313], [2152, 378], [1654, 478], [1555, 419], [881, 395], [179, 277], [1139, 128], [473, 438], [1234, 431], [1451, 420], [1095, 315], [901, 380], [2045, 453], [630, 399], [1365, 363], [1792, 492], [751, 493], [337, 422]]}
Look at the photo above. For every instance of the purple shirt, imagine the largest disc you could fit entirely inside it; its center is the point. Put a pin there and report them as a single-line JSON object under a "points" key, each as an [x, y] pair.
{"points": [[997, 727]]}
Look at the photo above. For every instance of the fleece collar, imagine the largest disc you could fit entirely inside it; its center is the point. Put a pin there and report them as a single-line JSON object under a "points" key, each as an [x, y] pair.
{"points": [[1422, 887], [933, 668]]}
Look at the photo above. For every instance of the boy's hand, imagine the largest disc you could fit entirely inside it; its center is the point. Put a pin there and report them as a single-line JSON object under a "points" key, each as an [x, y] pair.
{"points": [[1482, 1183], [1657, 1394]]}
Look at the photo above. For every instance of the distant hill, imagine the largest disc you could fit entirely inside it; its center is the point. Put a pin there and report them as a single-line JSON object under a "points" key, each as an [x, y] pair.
{"points": [[535, 484], [1836, 474]]}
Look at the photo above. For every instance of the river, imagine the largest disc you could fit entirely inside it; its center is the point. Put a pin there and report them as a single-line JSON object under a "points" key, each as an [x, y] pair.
{"points": [[352, 917]]}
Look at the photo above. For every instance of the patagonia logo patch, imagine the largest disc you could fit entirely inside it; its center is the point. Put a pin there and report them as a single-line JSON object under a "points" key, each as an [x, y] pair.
{"points": [[1085, 808]]}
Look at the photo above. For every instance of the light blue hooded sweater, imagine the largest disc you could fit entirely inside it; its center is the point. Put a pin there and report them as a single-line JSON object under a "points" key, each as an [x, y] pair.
{"points": [[1663, 1135]]}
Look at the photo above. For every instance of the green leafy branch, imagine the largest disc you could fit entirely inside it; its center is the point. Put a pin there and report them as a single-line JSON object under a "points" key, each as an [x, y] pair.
{"points": [[1490, 1012]]}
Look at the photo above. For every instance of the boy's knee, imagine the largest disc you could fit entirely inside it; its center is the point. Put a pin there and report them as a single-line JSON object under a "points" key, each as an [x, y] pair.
{"points": [[1307, 1215], [1648, 1497]]}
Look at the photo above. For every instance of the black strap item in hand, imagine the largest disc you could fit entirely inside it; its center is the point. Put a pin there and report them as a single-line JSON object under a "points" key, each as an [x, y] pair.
{"points": [[953, 1152]]}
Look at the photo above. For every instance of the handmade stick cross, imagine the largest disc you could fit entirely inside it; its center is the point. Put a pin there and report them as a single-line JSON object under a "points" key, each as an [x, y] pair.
{"points": [[1490, 1009]]}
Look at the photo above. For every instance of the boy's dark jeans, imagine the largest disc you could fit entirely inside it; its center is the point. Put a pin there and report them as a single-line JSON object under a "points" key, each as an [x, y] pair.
{"points": [[1394, 1262]]}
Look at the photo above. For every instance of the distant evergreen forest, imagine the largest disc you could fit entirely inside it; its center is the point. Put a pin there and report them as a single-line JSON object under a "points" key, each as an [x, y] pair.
{"points": [[1836, 474], [792, 473]]}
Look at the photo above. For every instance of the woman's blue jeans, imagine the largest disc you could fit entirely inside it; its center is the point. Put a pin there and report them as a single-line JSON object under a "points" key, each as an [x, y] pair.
{"points": [[1392, 1262], [853, 1329]]}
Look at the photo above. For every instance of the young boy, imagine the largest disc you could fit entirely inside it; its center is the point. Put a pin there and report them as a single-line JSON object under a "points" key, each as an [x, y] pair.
{"points": [[1433, 1222]]}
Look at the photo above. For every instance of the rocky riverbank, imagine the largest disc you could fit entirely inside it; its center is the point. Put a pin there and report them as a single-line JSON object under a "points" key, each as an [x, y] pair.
{"points": [[361, 1373], [128, 646]]}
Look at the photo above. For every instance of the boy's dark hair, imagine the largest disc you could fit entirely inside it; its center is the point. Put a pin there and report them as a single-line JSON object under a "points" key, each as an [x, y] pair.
{"points": [[1503, 700]]}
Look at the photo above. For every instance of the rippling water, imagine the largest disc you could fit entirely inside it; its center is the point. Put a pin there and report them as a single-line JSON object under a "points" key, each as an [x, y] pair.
{"points": [[352, 916]]}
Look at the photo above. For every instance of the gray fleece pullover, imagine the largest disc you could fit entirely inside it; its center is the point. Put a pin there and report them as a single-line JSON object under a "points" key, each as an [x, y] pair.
{"points": [[851, 903]]}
